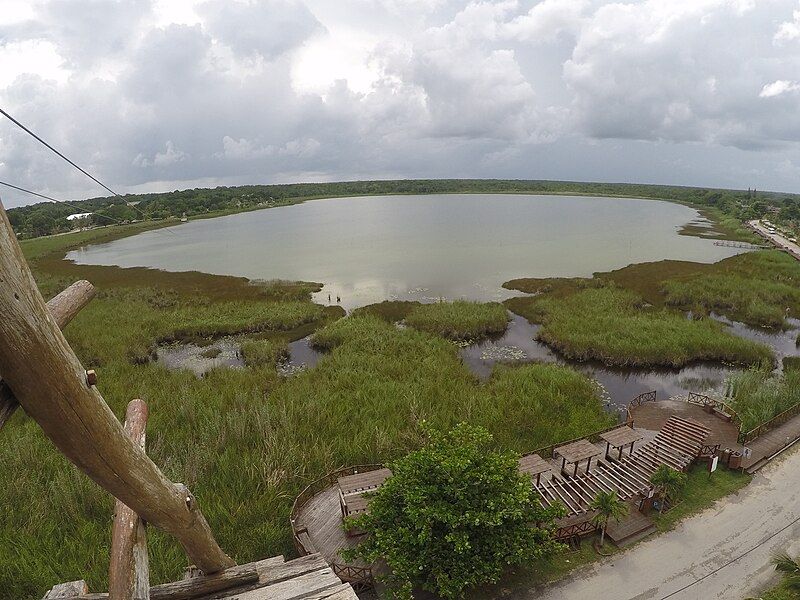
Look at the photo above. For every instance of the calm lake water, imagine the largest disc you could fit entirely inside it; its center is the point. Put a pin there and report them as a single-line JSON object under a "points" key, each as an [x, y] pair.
{"points": [[419, 247], [441, 246]]}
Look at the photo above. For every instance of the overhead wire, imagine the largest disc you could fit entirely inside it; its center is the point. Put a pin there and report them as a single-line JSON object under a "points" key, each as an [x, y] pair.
{"points": [[89, 175], [64, 202]]}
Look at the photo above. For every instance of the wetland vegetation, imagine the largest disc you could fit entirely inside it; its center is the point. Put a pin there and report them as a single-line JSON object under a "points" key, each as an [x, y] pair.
{"points": [[247, 440]]}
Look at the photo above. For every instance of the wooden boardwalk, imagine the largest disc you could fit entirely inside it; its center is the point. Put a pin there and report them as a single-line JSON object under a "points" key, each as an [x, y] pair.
{"points": [[321, 516], [767, 444], [653, 416]]}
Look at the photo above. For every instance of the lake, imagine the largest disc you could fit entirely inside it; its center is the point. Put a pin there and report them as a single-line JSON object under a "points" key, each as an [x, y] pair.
{"points": [[369, 249]]}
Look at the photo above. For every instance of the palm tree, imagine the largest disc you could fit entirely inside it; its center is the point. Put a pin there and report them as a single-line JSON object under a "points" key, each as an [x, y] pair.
{"points": [[668, 482], [790, 568], [608, 506]]}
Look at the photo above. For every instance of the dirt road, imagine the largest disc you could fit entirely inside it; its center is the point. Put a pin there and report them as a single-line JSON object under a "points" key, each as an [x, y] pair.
{"points": [[776, 238], [657, 568]]}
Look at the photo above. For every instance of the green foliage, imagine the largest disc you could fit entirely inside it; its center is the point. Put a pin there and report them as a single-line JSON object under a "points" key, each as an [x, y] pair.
{"points": [[246, 440], [669, 483], [264, 353], [228, 318], [608, 506], [613, 326], [758, 288], [459, 320], [454, 515], [758, 395]]}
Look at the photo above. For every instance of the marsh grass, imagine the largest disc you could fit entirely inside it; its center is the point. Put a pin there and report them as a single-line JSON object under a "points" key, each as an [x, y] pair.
{"points": [[613, 326], [247, 440], [758, 395], [459, 320], [264, 353]]}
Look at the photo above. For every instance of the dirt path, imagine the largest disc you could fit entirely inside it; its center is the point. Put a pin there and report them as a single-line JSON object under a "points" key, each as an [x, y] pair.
{"points": [[656, 569]]}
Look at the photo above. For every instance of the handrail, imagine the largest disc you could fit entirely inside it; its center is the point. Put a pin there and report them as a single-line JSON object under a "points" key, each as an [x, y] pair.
{"points": [[702, 400], [745, 437], [642, 398]]}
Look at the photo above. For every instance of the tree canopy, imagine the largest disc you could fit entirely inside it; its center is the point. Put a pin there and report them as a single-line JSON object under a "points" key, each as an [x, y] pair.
{"points": [[454, 515]]}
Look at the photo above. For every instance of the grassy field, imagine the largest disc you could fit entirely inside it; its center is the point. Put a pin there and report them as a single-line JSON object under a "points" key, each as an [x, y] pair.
{"points": [[247, 441], [613, 326]]}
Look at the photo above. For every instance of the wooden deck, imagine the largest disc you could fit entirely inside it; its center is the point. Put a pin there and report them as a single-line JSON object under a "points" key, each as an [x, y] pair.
{"points": [[321, 516], [653, 416], [631, 528]]}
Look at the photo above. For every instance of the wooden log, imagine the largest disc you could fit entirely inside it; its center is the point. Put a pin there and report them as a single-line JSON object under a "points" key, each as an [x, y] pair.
{"points": [[67, 590], [128, 571], [63, 307], [49, 382]]}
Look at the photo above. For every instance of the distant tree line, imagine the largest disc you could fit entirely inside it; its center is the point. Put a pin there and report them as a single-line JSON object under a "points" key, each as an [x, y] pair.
{"points": [[50, 217]]}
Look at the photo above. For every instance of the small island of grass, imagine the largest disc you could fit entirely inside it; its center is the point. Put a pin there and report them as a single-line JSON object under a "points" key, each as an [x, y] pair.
{"points": [[459, 320], [614, 326]]}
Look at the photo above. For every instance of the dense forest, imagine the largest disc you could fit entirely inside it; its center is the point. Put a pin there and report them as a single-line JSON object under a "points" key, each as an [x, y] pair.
{"points": [[51, 217]]}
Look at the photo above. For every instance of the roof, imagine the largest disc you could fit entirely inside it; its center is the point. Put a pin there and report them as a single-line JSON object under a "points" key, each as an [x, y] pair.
{"points": [[533, 464], [578, 451], [78, 216], [622, 436]]}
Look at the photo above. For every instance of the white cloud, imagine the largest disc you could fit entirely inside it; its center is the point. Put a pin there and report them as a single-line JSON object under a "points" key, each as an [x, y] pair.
{"points": [[789, 30], [170, 156], [248, 91], [776, 88]]}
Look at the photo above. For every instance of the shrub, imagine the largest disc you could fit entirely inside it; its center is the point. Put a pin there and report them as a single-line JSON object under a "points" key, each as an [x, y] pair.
{"points": [[454, 515]]}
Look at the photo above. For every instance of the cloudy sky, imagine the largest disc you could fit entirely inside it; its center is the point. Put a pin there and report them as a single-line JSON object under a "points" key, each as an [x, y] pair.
{"points": [[154, 95]]}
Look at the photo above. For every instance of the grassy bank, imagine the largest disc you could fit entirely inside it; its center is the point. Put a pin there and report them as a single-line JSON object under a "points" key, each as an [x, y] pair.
{"points": [[247, 441], [755, 288], [758, 395], [612, 325]]}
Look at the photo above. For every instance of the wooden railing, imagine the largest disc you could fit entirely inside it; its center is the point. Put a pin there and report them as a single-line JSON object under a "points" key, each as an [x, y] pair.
{"points": [[719, 405], [745, 437], [708, 450], [360, 578], [642, 398], [578, 529]]}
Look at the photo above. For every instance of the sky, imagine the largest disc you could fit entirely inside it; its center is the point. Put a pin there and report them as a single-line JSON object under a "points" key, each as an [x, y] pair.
{"points": [[157, 95]]}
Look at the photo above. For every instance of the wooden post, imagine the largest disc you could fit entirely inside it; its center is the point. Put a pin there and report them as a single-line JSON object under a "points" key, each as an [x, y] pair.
{"points": [[63, 308], [50, 384], [128, 571]]}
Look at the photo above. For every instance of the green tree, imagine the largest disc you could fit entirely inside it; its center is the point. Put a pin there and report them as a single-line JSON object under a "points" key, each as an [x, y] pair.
{"points": [[608, 506], [669, 483], [453, 515], [790, 569]]}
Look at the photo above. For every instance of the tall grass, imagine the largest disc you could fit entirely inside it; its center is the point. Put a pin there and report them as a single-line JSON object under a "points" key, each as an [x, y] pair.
{"points": [[247, 441], [612, 326], [758, 395], [758, 288], [264, 353], [459, 320]]}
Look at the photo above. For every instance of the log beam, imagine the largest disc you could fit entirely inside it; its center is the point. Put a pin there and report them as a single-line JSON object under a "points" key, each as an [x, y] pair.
{"points": [[49, 382], [129, 572], [63, 308]]}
